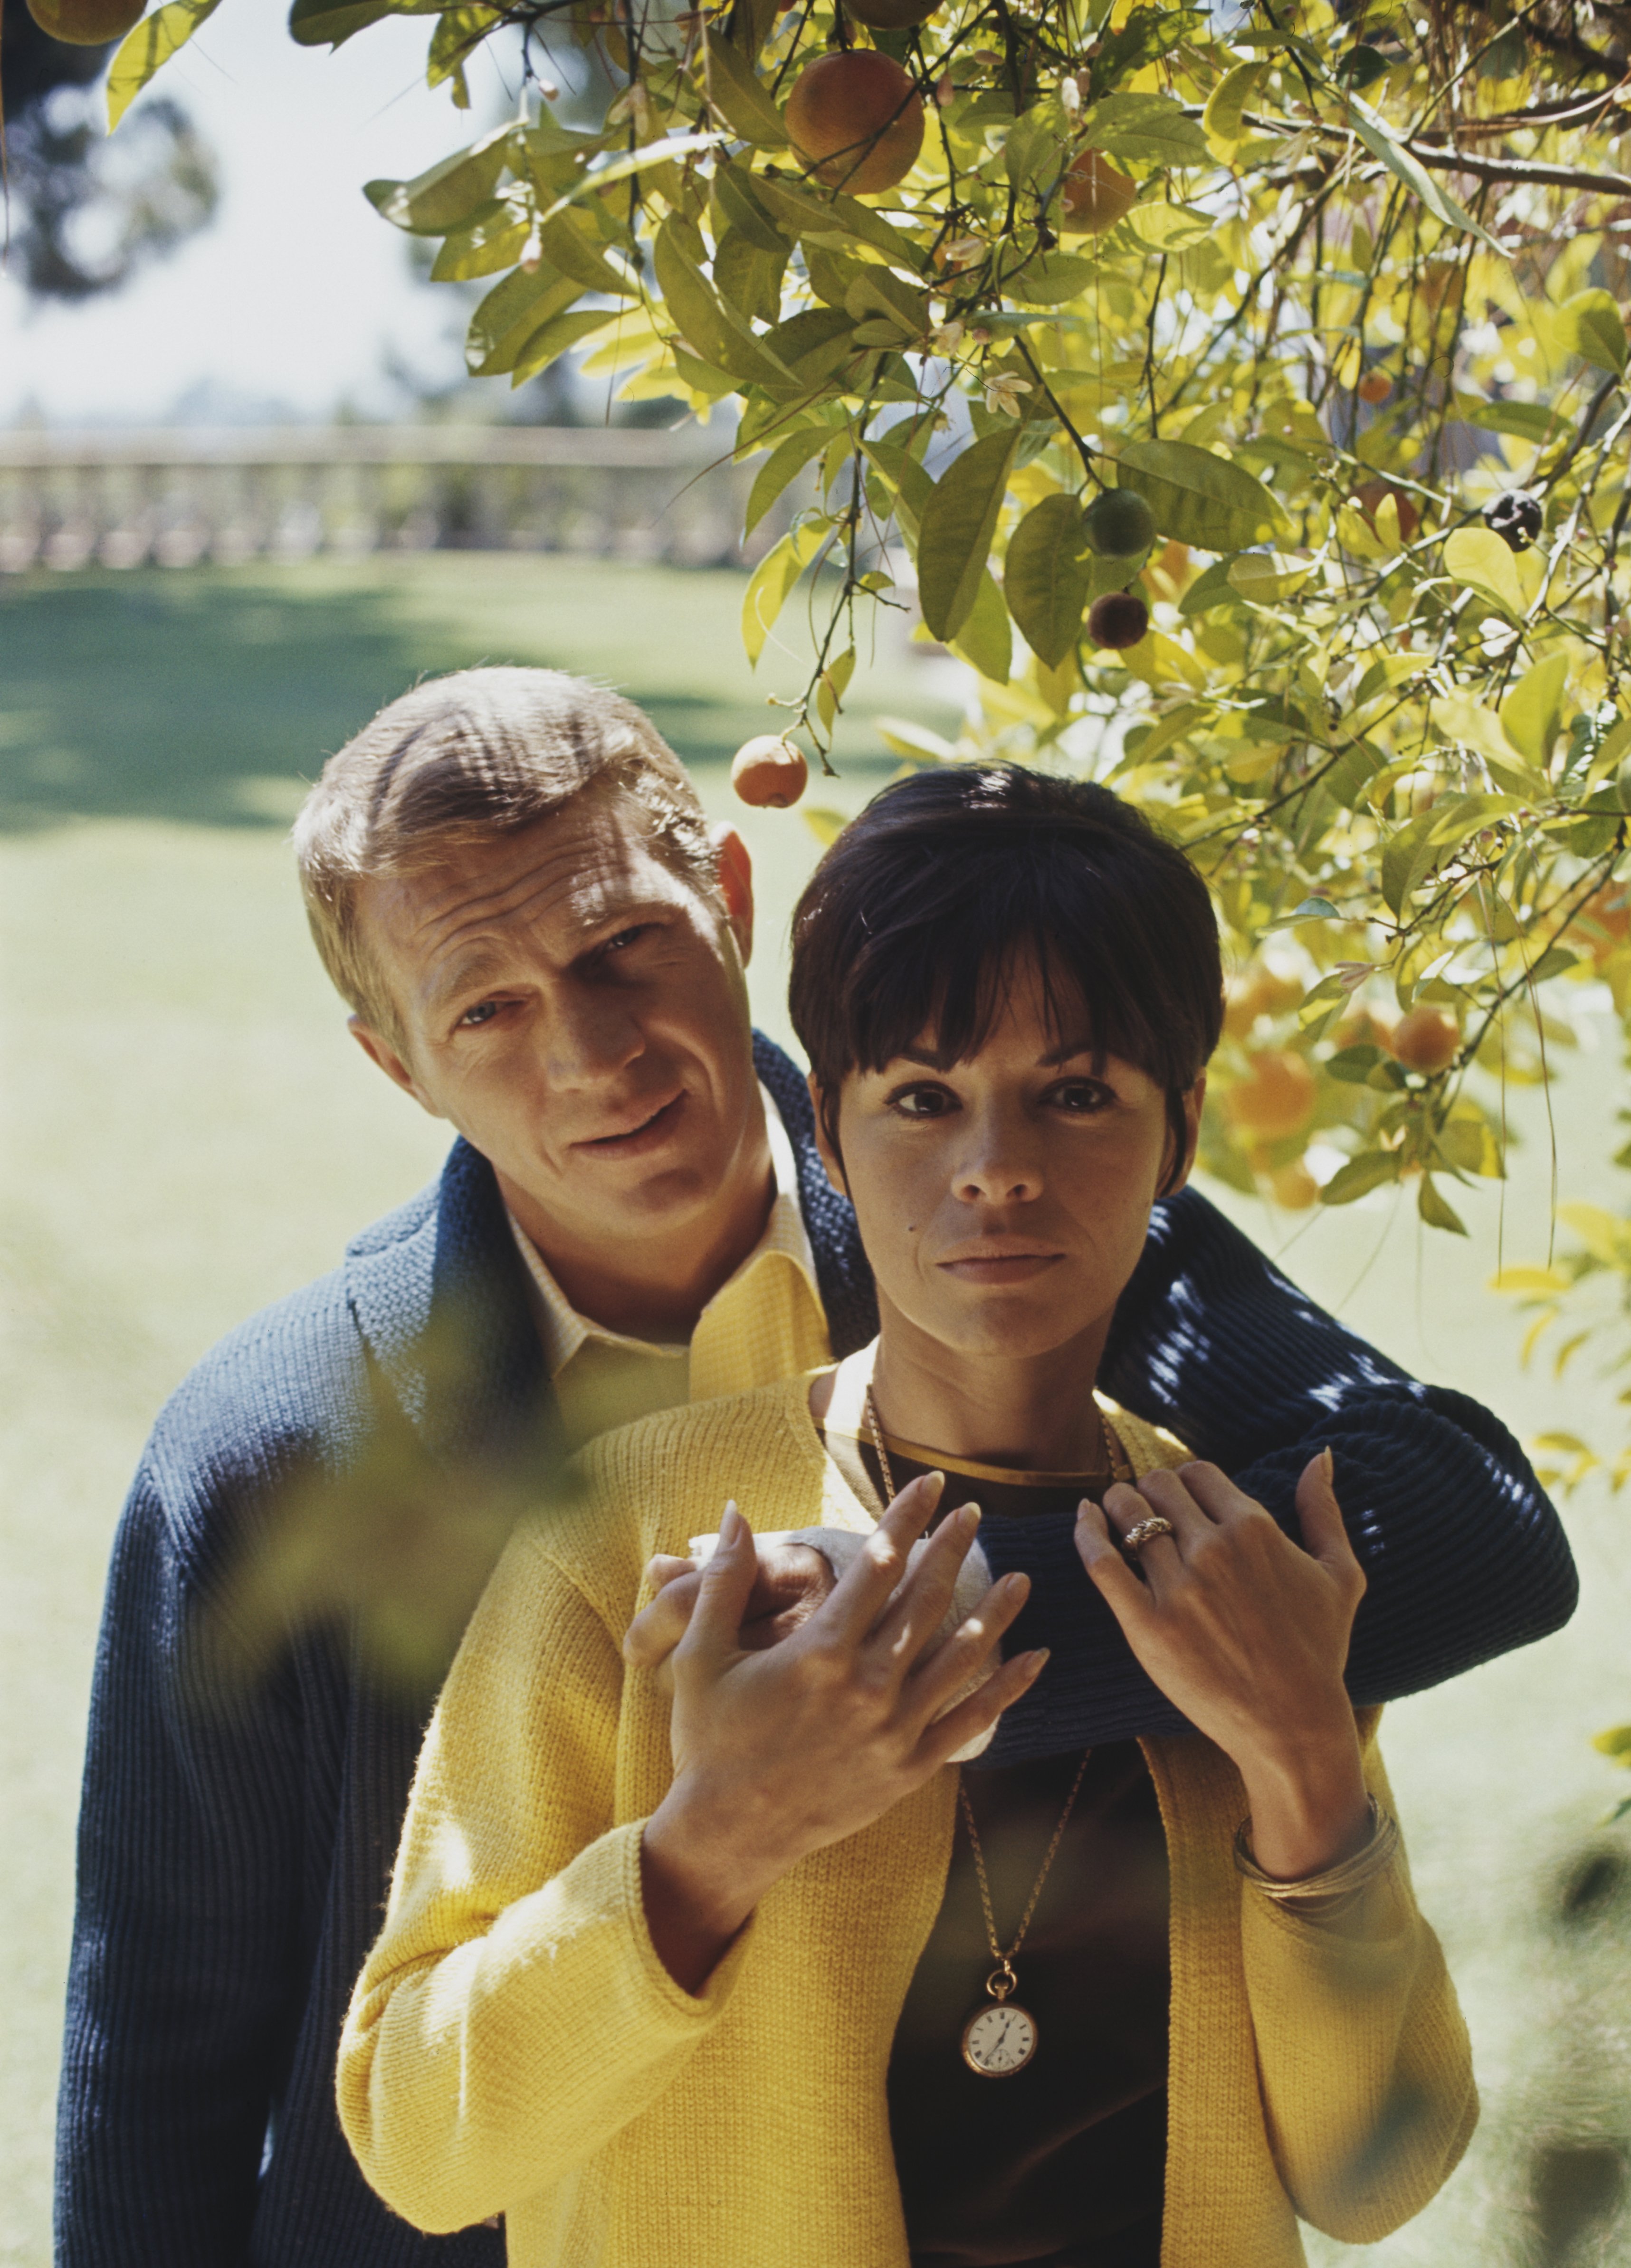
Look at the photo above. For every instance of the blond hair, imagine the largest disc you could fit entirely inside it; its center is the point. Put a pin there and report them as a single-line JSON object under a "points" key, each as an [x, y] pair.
{"points": [[460, 759]]}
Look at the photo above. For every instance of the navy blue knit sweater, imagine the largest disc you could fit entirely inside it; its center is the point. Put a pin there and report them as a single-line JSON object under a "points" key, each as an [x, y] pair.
{"points": [[236, 1848]]}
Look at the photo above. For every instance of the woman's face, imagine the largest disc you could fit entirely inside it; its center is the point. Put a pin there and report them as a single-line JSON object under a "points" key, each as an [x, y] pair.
{"points": [[1003, 1203]]}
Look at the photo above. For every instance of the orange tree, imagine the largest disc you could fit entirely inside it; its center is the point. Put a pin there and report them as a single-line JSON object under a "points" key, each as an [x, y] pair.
{"points": [[1241, 394]]}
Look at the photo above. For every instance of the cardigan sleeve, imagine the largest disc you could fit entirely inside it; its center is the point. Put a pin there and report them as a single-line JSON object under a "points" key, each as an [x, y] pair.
{"points": [[513, 2015], [1363, 2060], [185, 1957]]}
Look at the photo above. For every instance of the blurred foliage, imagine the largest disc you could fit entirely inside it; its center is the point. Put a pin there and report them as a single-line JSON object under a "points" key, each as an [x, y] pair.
{"points": [[1337, 293], [83, 214]]}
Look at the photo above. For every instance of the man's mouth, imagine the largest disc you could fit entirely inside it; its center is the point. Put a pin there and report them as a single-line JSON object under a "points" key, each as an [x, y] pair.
{"points": [[646, 1133]]}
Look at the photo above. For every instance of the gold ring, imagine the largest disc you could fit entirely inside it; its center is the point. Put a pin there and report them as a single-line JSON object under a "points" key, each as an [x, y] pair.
{"points": [[1147, 1531]]}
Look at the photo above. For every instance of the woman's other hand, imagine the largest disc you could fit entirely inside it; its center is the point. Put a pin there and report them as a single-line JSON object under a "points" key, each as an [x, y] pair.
{"points": [[790, 1581], [1248, 1635], [779, 1753]]}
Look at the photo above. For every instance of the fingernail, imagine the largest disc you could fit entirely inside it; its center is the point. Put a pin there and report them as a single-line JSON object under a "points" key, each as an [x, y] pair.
{"points": [[932, 1484], [730, 1525], [1010, 1583], [1328, 1463], [969, 1518], [1039, 1660]]}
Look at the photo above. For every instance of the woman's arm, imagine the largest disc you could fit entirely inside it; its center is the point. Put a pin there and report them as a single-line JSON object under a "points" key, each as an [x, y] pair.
{"points": [[1363, 2060], [513, 2015]]}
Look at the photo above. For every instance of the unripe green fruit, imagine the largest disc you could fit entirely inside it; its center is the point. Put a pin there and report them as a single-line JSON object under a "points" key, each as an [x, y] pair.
{"points": [[86, 23], [1118, 621], [1119, 524]]}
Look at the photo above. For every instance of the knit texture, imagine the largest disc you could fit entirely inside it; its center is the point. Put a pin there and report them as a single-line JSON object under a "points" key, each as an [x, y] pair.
{"points": [[514, 2044], [235, 1849]]}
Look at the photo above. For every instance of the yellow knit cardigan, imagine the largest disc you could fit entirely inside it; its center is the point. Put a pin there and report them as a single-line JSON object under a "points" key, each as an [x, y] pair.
{"points": [[514, 2045]]}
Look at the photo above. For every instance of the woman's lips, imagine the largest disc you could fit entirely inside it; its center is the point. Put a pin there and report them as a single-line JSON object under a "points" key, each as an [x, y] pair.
{"points": [[650, 1134], [1000, 1267]]}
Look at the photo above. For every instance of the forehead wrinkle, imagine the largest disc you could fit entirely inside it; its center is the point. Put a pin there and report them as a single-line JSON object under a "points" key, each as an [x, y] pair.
{"points": [[468, 910]]}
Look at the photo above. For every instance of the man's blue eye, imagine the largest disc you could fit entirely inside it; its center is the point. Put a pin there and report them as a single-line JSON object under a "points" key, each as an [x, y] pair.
{"points": [[484, 1013]]}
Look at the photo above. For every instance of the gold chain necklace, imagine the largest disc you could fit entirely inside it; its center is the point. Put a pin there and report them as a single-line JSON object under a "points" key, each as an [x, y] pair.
{"points": [[1001, 2039]]}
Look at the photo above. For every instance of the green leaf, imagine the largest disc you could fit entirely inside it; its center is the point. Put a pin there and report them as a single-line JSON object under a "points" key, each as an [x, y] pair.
{"points": [[1199, 498], [1435, 1209], [735, 92], [785, 463], [554, 338], [1045, 578], [459, 33], [958, 521], [493, 241], [448, 194], [1354, 1065], [1169, 228], [746, 279], [915, 742], [1370, 1170], [511, 314], [1048, 279], [636, 161], [1221, 121], [570, 243], [1531, 715], [825, 826], [1534, 422], [1591, 325], [808, 212], [156, 39], [1150, 128], [1377, 136], [1265, 577], [736, 194], [773, 579], [311, 23], [1478, 559], [986, 641]]}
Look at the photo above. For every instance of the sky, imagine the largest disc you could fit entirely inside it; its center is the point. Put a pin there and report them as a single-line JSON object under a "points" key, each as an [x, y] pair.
{"points": [[294, 298]]}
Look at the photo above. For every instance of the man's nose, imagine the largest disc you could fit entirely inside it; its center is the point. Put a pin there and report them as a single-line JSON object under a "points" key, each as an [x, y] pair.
{"points": [[593, 1035]]}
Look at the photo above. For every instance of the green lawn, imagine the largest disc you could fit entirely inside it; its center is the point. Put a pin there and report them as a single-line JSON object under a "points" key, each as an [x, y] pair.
{"points": [[189, 1133]]}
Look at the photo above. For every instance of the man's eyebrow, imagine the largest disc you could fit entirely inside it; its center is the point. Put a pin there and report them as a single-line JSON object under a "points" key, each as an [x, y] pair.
{"points": [[471, 969]]}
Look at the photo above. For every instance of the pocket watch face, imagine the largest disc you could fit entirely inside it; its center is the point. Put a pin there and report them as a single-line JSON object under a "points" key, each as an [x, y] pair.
{"points": [[998, 2041]]}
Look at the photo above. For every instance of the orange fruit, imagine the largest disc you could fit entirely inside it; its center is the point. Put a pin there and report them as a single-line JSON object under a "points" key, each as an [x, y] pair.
{"points": [[1294, 1186], [1095, 196], [769, 770], [1602, 924], [86, 23], [1428, 1039], [1376, 385], [857, 119], [1258, 991], [1274, 1100]]}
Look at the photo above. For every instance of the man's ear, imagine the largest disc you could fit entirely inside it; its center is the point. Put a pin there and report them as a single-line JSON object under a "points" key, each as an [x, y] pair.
{"points": [[384, 1053], [829, 1156], [735, 885], [1185, 1166]]}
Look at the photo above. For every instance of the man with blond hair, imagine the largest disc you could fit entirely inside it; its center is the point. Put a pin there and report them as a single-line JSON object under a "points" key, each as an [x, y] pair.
{"points": [[512, 883]]}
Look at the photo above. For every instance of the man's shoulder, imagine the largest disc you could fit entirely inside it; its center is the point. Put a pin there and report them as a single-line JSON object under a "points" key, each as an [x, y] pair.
{"points": [[287, 1377]]}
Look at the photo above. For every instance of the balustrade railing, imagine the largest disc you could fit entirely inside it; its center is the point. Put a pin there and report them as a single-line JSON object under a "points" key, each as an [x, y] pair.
{"points": [[176, 497]]}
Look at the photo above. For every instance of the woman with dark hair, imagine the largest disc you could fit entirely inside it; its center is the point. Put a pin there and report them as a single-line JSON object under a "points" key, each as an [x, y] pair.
{"points": [[730, 1966]]}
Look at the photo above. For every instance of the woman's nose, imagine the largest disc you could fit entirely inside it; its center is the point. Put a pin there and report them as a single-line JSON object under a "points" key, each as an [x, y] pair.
{"points": [[1000, 1168]]}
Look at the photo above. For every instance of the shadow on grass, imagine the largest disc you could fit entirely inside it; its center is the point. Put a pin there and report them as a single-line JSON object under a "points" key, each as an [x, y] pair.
{"points": [[209, 699]]}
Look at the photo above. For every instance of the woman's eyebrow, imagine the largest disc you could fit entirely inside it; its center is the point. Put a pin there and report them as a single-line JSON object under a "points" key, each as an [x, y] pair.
{"points": [[1066, 1052]]}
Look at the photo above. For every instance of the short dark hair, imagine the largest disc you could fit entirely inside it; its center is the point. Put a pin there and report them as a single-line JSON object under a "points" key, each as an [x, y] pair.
{"points": [[920, 909]]}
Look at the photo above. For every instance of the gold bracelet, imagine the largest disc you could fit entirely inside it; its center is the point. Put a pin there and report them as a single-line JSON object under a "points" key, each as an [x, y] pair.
{"points": [[1338, 1881]]}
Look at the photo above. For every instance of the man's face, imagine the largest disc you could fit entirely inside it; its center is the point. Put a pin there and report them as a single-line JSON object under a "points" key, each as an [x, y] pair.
{"points": [[579, 1012], [1003, 1202]]}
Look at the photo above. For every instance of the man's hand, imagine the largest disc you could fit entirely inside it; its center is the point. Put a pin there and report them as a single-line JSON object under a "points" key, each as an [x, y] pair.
{"points": [[1249, 1636], [779, 1753], [790, 1581]]}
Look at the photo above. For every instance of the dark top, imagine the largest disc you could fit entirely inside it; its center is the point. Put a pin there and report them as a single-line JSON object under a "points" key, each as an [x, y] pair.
{"points": [[236, 1848], [1060, 2165]]}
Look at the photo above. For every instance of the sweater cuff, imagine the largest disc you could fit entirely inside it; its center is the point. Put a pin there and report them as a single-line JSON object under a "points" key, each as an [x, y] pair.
{"points": [[696, 2009]]}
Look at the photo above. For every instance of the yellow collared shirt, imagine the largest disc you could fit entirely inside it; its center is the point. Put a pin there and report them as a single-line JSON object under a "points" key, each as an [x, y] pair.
{"points": [[766, 1322]]}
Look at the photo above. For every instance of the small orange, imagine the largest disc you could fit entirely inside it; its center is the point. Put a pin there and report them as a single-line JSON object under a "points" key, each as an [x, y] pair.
{"points": [[1428, 1039], [86, 23], [769, 770], [1376, 385], [1294, 1186], [856, 119], [1274, 1100]]}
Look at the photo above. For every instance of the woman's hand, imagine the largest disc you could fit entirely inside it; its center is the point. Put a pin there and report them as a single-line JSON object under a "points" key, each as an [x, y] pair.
{"points": [[1249, 1636], [779, 1753]]}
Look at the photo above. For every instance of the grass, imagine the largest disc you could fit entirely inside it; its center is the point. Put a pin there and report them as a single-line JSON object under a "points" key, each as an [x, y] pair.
{"points": [[189, 1133]]}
